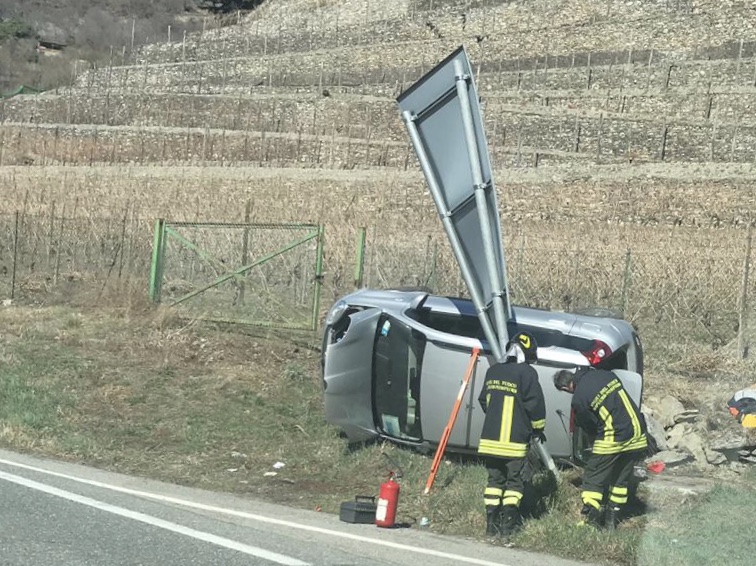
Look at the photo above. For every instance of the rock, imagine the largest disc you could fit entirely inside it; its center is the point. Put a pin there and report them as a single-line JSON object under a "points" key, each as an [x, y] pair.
{"points": [[749, 459], [687, 416], [656, 431], [668, 409], [672, 458], [693, 443], [729, 442], [715, 458], [676, 434]]}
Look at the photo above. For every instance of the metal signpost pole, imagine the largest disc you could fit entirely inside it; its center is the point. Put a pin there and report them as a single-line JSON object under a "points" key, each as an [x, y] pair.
{"points": [[445, 214], [480, 187]]}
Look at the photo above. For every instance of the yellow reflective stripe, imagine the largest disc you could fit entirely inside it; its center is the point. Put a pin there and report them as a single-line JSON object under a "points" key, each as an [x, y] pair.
{"points": [[620, 500], [511, 501], [503, 449], [592, 498], [631, 412], [538, 424], [513, 493], [603, 447], [495, 491], [618, 495], [608, 424], [492, 501], [507, 413]]}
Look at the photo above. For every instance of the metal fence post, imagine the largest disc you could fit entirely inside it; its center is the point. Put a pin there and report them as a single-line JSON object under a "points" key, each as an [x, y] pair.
{"points": [[432, 271], [318, 279], [359, 268], [245, 248], [156, 268]]}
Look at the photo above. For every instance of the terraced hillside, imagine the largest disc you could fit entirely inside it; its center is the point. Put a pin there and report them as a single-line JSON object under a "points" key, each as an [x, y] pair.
{"points": [[617, 130]]}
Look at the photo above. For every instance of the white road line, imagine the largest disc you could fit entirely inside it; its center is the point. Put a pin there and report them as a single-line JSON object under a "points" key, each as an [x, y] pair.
{"points": [[155, 522], [261, 518]]}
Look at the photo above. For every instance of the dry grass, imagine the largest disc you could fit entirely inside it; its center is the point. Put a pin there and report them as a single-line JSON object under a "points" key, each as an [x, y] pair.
{"points": [[687, 275], [147, 394]]}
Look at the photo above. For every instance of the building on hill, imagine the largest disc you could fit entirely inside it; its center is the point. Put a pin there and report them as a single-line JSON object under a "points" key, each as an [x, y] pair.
{"points": [[51, 39]]}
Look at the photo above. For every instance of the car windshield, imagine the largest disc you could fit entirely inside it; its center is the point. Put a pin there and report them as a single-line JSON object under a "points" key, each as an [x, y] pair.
{"points": [[397, 364]]}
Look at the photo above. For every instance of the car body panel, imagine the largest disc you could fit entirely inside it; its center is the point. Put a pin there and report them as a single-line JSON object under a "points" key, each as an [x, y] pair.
{"points": [[347, 380], [445, 358], [444, 369]]}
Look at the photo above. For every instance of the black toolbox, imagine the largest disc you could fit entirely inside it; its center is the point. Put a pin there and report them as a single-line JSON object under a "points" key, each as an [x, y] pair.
{"points": [[361, 510]]}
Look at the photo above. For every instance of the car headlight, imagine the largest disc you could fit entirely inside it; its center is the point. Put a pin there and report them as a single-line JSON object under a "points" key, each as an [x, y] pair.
{"points": [[336, 312]]}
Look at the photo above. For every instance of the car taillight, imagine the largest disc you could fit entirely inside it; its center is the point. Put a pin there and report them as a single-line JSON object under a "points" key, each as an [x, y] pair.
{"points": [[598, 353]]}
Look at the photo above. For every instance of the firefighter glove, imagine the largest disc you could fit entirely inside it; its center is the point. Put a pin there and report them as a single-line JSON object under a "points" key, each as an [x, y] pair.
{"points": [[540, 435]]}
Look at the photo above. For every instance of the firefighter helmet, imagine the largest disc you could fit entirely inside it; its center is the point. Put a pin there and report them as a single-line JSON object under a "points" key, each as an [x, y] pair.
{"points": [[527, 342]]}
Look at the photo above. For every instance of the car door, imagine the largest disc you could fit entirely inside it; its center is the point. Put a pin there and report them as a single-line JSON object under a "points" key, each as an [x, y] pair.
{"points": [[558, 436], [347, 372], [444, 370]]}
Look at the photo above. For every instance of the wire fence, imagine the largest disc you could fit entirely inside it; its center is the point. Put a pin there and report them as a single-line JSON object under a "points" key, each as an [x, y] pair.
{"points": [[38, 253], [691, 287], [693, 284], [256, 274]]}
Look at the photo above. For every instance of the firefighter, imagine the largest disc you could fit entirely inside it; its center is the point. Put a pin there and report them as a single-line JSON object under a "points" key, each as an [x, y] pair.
{"points": [[603, 408], [513, 402]]}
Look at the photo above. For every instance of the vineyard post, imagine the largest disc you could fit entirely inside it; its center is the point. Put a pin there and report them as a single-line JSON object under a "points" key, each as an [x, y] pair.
{"points": [[626, 281], [742, 314], [15, 256]]}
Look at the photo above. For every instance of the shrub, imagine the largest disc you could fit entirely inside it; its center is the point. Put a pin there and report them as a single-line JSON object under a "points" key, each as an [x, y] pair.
{"points": [[14, 29]]}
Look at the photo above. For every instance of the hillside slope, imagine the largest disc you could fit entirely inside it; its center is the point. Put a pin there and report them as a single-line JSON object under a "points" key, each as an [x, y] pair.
{"points": [[634, 116]]}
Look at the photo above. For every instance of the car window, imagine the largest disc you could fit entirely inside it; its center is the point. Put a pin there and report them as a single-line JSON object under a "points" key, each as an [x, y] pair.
{"points": [[460, 325], [397, 364], [546, 338]]}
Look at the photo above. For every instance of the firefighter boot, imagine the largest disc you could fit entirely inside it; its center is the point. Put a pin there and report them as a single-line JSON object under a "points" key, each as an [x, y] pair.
{"points": [[511, 520], [612, 517], [590, 516], [492, 521]]}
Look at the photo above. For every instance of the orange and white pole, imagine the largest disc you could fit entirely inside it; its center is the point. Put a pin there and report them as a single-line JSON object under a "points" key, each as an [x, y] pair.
{"points": [[452, 418]]}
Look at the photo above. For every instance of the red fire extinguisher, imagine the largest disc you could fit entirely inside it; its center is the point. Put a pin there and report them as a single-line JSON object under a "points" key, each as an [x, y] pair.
{"points": [[388, 499]]}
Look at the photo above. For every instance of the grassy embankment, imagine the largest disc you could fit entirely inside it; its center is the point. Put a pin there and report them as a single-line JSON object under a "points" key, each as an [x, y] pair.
{"points": [[140, 392]]}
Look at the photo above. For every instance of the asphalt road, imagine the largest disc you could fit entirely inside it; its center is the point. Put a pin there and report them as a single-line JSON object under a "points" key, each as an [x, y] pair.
{"points": [[70, 515]]}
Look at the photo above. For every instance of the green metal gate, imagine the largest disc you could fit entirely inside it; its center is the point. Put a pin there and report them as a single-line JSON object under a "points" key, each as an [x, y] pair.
{"points": [[257, 274]]}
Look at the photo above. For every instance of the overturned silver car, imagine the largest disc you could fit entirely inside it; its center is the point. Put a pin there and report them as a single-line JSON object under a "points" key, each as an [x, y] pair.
{"points": [[393, 362]]}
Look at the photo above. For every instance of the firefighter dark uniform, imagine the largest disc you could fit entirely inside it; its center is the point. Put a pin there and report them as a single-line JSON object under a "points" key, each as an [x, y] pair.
{"points": [[604, 408], [515, 409]]}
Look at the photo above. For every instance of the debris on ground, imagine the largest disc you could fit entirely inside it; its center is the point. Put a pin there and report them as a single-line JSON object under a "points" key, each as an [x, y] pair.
{"points": [[685, 437]]}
